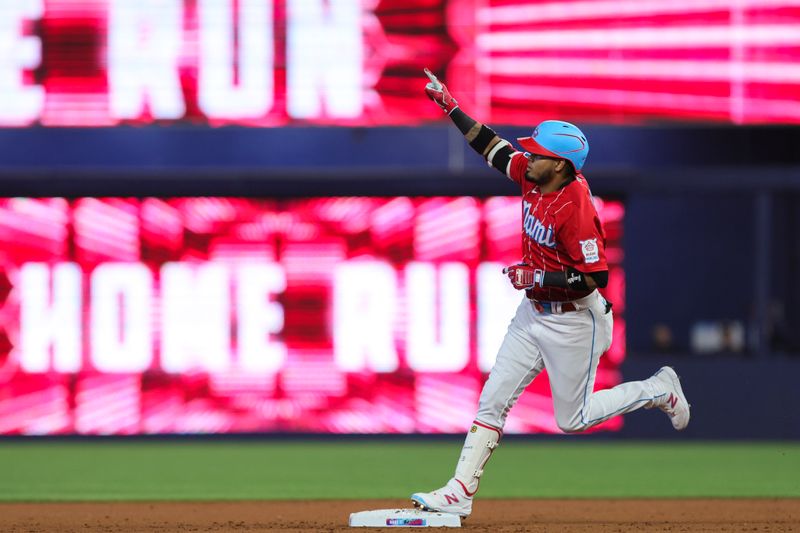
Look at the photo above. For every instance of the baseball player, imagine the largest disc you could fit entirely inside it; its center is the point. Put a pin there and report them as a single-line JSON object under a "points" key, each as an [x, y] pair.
{"points": [[563, 324]]}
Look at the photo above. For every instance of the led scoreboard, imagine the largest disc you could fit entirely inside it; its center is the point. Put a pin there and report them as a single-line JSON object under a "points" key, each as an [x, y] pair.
{"points": [[203, 315], [351, 62]]}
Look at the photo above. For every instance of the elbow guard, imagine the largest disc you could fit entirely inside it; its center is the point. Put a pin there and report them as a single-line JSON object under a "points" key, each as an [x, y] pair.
{"points": [[500, 155]]}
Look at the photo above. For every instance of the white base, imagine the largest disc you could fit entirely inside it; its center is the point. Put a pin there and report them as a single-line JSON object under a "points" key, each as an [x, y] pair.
{"points": [[403, 518]]}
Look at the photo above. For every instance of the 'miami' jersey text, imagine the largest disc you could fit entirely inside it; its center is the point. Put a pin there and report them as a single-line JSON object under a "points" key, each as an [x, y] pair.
{"points": [[535, 229]]}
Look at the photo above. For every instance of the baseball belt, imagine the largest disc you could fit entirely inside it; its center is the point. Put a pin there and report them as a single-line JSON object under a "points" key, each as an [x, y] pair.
{"points": [[563, 307]]}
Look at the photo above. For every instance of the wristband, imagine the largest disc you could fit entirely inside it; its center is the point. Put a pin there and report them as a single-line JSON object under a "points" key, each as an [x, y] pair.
{"points": [[572, 279], [576, 280]]}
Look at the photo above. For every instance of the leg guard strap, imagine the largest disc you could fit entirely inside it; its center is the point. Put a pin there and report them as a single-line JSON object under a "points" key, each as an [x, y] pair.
{"points": [[481, 441]]}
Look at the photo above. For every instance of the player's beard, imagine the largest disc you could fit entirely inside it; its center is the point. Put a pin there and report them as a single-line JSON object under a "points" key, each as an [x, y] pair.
{"points": [[540, 178]]}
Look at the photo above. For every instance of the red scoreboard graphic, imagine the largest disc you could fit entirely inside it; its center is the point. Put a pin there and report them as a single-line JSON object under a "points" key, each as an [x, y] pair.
{"points": [[213, 315], [359, 62]]}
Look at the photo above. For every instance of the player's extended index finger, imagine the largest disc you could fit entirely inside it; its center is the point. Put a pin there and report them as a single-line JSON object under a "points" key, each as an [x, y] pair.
{"points": [[431, 76]]}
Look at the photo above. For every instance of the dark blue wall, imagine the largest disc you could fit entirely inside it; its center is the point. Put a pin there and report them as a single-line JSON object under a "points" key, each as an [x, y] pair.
{"points": [[687, 258], [784, 310], [430, 159], [431, 148], [731, 398]]}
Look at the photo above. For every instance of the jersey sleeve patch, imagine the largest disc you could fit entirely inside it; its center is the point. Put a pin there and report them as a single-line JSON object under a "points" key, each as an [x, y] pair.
{"points": [[590, 251]]}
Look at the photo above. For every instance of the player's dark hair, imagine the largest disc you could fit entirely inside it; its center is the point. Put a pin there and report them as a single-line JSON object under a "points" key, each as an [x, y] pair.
{"points": [[570, 170]]}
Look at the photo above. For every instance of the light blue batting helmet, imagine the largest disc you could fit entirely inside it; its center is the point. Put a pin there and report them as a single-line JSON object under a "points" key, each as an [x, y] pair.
{"points": [[556, 138]]}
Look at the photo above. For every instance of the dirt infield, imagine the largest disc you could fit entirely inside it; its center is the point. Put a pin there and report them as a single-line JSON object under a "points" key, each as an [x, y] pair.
{"points": [[330, 516]]}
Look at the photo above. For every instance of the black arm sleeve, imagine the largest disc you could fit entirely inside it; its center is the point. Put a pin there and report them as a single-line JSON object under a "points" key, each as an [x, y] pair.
{"points": [[600, 278], [574, 279], [462, 121], [465, 124]]}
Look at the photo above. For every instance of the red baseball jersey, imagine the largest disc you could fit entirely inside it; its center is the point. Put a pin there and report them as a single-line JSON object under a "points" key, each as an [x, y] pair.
{"points": [[560, 229]]}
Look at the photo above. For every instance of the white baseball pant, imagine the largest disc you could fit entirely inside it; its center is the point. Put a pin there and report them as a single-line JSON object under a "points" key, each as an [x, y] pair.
{"points": [[569, 346]]}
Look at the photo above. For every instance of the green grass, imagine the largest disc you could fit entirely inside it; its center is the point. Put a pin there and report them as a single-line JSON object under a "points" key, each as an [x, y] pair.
{"points": [[197, 470]]}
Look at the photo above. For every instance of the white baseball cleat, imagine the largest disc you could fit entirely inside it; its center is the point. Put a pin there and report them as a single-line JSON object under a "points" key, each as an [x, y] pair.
{"points": [[449, 499], [673, 402]]}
